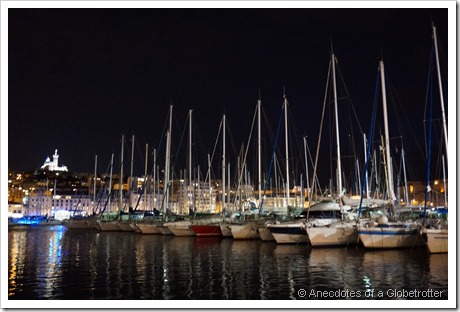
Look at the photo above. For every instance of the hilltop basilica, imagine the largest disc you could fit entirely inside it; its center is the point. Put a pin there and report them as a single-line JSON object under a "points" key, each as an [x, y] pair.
{"points": [[53, 165]]}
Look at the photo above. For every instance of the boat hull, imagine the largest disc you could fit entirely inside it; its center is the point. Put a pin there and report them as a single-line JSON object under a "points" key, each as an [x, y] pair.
{"points": [[265, 234], [225, 229], [164, 230], [207, 230], [78, 225], [293, 233], [108, 226], [244, 231], [335, 235], [125, 227], [135, 228], [436, 240], [180, 228], [389, 237], [148, 228]]}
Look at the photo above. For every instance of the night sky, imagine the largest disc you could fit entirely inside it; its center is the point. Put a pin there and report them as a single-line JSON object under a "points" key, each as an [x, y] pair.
{"points": [[80, 78]]}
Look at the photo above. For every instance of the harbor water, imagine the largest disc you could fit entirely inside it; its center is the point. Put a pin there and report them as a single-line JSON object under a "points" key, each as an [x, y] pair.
{"points": [[54, 263]]}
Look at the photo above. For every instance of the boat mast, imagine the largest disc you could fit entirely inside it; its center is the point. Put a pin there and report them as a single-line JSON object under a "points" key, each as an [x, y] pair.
{"points": [[287, 148], [223, 163], [110, 183], [120, 189], [131, 184], [190, 187], [145, 176], [440, 88], [259, 149], [208, 178], [94, 182], [339, 164], [387, 136], [154, 176], [444, 181], [168, 158], [406, 194], [306, 169], [365, 161]]}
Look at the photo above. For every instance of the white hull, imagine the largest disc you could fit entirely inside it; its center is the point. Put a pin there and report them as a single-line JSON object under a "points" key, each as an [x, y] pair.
{"points": [[334, 235], [148, 228], [390, 237], [289, 233], [265, 234], [108, 226], [135, 228], [181, 231], [291, 238], [164, 230], [244, 231], [436, 240], [181, 228], [226, 231], [125, 227]]}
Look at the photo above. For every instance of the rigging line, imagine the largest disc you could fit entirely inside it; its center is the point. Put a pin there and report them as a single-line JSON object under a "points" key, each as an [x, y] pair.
{"points": [[427, 190], [369, 144], [215, 146], [349, 98], [271, 160], [217, 140], [176, 157], [319, 137], [247, 148]]}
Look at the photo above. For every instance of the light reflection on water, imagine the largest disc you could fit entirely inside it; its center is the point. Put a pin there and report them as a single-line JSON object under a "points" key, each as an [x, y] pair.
{"points": [[56, 263]]}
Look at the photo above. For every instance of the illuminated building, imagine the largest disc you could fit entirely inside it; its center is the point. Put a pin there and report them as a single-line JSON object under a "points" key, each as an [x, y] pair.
{"points": [[53, 165]]}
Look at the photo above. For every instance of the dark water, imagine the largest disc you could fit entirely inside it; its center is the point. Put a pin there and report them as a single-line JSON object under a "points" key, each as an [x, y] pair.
{"points": [[56, 263]]}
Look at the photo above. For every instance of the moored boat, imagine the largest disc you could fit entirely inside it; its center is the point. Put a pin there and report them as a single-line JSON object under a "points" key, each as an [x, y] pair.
{"points": [[78, 224], [148, 228], [207, 230], [436, 240], [336, 234], [225, 229], [289, 232], [436, 237], [265, 234], [384, 234], [164, 230], [107, 226], [247, 230], [125, 226], [207, 227], [180, 228]]}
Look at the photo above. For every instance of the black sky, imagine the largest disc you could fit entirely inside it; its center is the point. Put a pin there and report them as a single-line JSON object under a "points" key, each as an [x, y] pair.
{"points": [[79, 78]]}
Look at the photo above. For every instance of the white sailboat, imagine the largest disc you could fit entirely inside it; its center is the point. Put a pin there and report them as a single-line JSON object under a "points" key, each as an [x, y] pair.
{"points": [[291, 232], [108, 225], [334, 230], [436, 236], [385, 234]]}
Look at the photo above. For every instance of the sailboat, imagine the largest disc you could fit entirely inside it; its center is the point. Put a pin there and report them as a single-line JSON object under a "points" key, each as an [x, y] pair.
{"points": [[334, 229], [384, 233], [290, 232], [241, 229], [106, 221], [150, 221], [436, 235], [184, 228], [84, 223], [125, 218], [111, 221]]}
